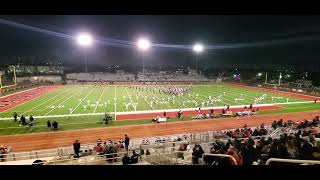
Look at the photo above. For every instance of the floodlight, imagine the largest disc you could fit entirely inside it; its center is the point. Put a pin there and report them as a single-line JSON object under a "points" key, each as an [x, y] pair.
{"points": [[143, 44], [84, 39], [259, 74], [198, 48]]}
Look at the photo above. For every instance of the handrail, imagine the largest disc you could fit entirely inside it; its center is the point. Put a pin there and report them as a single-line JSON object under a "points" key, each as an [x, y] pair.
{"points": [[219, 155], [296, 161]]}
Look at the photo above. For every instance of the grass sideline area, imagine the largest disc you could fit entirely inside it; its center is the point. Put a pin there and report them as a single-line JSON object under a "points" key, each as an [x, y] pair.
{"points": [[69, 123], [72, 95]]}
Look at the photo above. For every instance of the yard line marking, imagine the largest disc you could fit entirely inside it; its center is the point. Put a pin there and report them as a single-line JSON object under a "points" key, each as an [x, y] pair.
{"points": [[45, 108], [63, 101], [99, 100], [145, 100], [42, 103], [82, 100], [129, 98]]}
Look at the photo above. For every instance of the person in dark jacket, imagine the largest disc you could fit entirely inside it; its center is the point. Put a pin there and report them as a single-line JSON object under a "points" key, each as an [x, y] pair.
{"points": [[31, 118], [125, 159], [76, 148], [15, 116], [134, 158], [23, 121], [48, 124], [126, 142]]}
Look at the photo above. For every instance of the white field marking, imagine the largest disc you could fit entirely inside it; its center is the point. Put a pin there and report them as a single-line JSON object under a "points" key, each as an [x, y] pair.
{"points": [[146, 101], [227, 99], [54, 102], [19, 92], [82, 100], [74, 93], [244, 93], [129, 98], [277, 92], [43, 103], [21, 103], [45, 108], [164, 96], [99, 101]]}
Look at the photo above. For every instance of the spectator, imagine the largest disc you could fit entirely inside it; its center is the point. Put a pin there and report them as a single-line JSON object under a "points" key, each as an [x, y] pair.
{"points": [[196, 154], [99, 149], [3, 152], [31, 118], [255, 133], [292, 150], [134, 158], [76, 148], [164, 114], [147, 152], [125, 159], [55, 125], [126, 142], [23, 120], [306, 151], [15, 116], [99, 141], [48, 124], [316, 152], [233, 152], [274, 125]]}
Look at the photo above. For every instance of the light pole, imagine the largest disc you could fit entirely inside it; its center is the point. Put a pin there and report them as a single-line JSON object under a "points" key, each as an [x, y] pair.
{"points": [[84, 40], [197, 48], [143, 45]]}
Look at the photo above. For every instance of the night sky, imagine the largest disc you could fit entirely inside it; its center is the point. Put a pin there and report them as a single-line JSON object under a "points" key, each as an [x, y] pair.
{"points": [[304, 31]]}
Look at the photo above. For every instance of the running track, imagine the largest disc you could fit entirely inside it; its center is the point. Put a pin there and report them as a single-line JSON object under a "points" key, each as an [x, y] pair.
{"points": [[36, 141]]}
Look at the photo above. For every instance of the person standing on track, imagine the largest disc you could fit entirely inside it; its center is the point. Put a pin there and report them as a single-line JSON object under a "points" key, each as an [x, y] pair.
{"points": [[126, 142]]}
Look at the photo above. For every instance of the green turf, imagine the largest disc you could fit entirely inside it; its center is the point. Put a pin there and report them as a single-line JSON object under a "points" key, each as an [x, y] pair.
{"points": [[59, 103]]}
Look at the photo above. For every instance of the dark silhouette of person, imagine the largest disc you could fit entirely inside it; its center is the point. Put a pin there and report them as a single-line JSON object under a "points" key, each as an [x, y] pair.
{"points": [[15, 116], [76, 148], [23, 120], [55, 125], [125, 159], [164, 114], [48, 124], [126, 142], [31, 118]]}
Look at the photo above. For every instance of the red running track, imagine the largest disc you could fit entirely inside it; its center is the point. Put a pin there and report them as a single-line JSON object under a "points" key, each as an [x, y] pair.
{"points": [[10, 101]]}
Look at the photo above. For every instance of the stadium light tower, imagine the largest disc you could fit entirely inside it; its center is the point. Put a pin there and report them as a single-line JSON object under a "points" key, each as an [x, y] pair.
{"points": [[197, 48], [84, 40], [143, 45]]}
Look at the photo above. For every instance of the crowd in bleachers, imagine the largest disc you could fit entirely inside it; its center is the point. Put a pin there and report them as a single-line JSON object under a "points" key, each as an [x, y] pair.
{"points": [[299, 145]]}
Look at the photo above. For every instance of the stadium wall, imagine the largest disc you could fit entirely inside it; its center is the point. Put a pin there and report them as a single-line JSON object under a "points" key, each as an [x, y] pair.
{"points": [[35, 79]]}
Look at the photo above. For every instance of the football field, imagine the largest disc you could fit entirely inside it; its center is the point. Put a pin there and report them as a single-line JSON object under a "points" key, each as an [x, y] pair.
{"points": [[73, 100]]}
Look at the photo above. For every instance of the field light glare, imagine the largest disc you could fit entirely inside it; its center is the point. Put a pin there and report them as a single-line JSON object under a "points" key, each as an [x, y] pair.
{"points": [[84, 39], [259, 74], [143, 44], [198, 48]]}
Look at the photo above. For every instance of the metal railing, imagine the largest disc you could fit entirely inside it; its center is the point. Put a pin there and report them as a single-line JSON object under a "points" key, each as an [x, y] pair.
{"points": [[294, 161], [219, 155]]}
